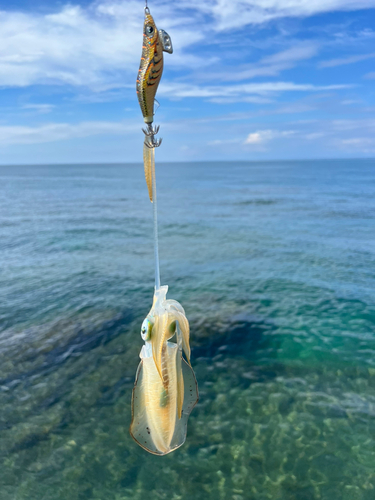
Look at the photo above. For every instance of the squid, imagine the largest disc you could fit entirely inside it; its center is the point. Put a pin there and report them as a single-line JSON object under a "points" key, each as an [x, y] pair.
{"points": [[165, 389]]}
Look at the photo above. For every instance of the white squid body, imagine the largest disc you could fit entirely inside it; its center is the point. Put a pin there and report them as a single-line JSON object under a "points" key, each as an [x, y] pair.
{"points": [[165, 389]]}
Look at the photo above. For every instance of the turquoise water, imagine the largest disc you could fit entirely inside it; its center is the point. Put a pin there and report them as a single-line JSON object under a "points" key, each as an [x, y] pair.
{"points": [[274, 264]]}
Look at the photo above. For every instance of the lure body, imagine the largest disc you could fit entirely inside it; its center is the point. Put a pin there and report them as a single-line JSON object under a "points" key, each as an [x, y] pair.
{"points": [[151, 66], [165, 389]]}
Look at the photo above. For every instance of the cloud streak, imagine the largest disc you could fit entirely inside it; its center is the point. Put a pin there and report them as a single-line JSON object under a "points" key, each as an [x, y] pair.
{"points": [[39, 108], [346, 60], [230, 91], [272, 65], [60, 131], [98, 47], [239, 13]]}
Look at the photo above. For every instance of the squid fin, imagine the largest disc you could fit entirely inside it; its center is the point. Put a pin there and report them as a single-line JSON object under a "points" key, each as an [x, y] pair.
{"points": [[180, 377], [191, 397], [139, 427]]}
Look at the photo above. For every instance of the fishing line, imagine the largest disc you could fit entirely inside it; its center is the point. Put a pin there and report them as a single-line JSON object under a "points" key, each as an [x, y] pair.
{"points": [[155, 210]]}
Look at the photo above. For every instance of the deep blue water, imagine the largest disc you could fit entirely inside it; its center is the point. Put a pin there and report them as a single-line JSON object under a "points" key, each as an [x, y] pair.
{"points": [[274, 264]]}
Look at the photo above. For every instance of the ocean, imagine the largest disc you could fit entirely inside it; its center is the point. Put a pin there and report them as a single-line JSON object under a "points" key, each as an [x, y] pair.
{"points": [[274, 263]]}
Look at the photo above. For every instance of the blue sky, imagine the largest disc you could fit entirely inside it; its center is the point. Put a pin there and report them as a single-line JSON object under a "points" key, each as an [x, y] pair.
{"points": [[248, 80]]}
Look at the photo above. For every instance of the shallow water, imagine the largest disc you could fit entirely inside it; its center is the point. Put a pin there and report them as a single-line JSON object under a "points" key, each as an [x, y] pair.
{"points": [[274, 264]]}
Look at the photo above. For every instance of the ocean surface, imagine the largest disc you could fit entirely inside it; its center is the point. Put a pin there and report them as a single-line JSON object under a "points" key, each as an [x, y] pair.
{"points": [[274, 264]]}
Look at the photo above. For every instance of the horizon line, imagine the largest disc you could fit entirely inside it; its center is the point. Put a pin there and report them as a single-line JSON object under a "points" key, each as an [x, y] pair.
{"points": [[117, 163]]}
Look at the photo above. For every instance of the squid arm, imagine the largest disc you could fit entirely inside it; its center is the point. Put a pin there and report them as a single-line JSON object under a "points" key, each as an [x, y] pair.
{"points": [[183, 325], [159, 337]]}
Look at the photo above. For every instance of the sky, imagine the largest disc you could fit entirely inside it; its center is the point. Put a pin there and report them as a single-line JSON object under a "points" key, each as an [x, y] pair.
{"points": [[248, 80]]}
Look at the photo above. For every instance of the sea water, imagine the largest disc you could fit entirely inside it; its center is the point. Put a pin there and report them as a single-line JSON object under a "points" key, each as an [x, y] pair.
{"points": [[274, 264]]}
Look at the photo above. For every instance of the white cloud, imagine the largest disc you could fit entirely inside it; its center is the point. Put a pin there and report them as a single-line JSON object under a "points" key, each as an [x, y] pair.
{"points": [[60, 131], [74, 47], [262, 136], [370, 76], [346, 60], [238, 13], [99, 46], [257, 137], [181, 90]]}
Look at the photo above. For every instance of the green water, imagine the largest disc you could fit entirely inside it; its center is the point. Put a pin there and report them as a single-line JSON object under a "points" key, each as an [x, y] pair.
{"points": [[274, 265]]}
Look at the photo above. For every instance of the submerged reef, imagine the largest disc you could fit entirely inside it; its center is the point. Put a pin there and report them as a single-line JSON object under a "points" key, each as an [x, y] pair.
{"points": [[265, 427]]}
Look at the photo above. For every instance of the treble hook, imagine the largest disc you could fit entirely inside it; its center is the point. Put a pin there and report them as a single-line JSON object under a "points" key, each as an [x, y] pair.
{"points": [[150, 133]]}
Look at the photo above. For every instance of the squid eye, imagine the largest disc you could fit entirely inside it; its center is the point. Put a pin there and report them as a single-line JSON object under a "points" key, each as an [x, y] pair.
{"points": [[149, 30], [146, 330]]}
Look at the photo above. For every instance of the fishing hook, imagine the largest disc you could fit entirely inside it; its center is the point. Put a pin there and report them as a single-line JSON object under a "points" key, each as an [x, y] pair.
{"points": [[150, 133]]}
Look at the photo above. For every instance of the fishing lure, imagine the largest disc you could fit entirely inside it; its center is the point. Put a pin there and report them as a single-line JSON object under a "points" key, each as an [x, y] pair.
{"points": [[149, 74], [165, 389]]}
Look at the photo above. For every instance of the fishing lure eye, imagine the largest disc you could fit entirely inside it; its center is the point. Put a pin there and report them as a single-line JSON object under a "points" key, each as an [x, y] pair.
{"points": [[149, 30]]}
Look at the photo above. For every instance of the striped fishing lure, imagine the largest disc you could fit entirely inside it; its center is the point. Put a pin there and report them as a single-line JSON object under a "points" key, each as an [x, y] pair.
{"points": [[151, 67], [149, 74]]}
